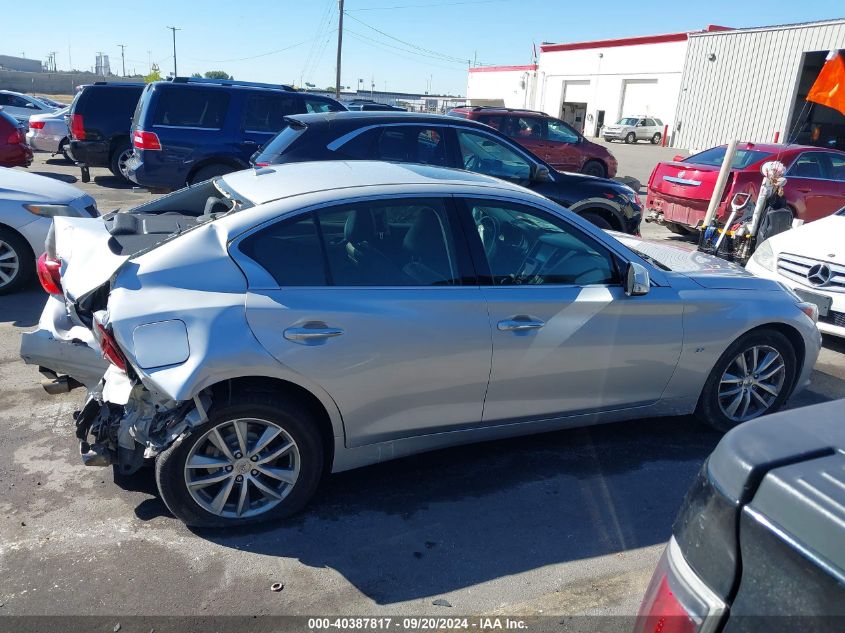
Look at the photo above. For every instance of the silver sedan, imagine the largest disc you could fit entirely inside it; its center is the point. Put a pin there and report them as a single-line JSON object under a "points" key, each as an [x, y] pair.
{"points": [[269, 325]]}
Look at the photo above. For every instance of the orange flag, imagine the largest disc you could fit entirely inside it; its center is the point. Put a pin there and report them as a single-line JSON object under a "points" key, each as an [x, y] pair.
{"points": [[829, 87]]}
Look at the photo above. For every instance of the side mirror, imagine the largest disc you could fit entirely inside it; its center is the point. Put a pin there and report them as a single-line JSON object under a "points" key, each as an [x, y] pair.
{"points": [[540, 173], [636, 280]]}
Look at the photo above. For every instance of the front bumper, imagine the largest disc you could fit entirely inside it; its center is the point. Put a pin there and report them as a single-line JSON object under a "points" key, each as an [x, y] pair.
{"points": [[63, 347], [833, 323], [613, 135]]}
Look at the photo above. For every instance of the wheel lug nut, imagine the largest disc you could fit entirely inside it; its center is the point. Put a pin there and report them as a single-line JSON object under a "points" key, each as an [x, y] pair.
{"points": [[239, 478], [229, 469], [254, 458], [254, 473], [238, 455]]}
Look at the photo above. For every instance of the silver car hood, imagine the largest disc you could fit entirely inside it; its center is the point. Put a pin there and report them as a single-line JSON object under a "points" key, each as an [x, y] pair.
{"points": [[706, 270], [32, 188], [87, 261]]}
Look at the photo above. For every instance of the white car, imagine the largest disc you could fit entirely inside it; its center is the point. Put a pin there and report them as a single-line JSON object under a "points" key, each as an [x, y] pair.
{"points": [[49, 132], [811, 260], [23, 106], [634, 128], [28, 204]]}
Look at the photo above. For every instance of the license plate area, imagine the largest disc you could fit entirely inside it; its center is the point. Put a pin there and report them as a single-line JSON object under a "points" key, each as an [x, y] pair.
{"points": [[822, 301]]}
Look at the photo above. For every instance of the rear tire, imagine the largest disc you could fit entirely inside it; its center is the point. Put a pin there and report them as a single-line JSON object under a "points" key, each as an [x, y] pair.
{"points": [[630, 137], [728, 380], [17, 262], [210, 171], [303, 463], [656, 138], [118, 160], [63, 151], [598, 220], [594, 168]]}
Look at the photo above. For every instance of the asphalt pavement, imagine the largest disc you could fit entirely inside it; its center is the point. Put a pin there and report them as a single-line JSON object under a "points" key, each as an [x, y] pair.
{"points": [[563, 523]]}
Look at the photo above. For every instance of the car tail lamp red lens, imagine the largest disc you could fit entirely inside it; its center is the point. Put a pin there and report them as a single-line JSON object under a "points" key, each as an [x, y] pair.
{"points": [[77, 127], [677, 600], [36, 125], [262, 164], [111, 352], [15, 137], [49, 274], [146, 140]]}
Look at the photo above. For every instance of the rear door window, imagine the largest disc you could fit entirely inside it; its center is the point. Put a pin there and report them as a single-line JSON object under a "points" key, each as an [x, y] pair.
{"points": [[529, 128], [403, 143], [191, 108], [494, 121], [290, 251], [266, 112]]}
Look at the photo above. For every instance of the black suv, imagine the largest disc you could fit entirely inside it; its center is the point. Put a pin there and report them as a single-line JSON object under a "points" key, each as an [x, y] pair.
{"points": [[449, 142], [188, 130], [759, 544], [99, 121]]}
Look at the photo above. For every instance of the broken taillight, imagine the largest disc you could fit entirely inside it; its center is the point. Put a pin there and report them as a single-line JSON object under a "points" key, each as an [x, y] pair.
{"points": [[49, 274], [111, 352]]}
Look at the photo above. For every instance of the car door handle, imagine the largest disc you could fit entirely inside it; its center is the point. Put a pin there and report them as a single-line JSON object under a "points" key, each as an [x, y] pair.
{"points": [[306, 334], [248, 142], [520, 324]]}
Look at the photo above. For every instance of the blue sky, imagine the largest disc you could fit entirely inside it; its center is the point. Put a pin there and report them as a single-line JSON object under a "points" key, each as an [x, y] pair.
{"points": [[398, 44]]}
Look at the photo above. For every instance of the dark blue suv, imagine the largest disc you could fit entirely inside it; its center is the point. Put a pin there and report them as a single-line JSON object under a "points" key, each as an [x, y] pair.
{"points": [[188, 130]]}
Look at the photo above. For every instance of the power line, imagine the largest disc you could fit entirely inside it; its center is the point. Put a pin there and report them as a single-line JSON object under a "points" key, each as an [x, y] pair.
{"points": [[424, 6], [421, 48], [241, 59], [387, 47], [323, 24]]}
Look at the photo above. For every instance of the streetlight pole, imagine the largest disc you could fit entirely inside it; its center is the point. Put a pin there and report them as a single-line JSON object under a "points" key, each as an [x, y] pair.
{"points": [[339, 48], [174, 29]]}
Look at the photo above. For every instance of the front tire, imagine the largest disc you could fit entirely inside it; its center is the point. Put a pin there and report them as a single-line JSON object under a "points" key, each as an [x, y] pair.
{"points": [[17, 263], [257, 458], [594, 168], [754, 376], [598, 220], [630, 137]]}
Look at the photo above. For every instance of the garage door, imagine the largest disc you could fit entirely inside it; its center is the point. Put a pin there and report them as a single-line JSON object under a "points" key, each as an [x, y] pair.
{"points": [[639, 97], [576, 91]]}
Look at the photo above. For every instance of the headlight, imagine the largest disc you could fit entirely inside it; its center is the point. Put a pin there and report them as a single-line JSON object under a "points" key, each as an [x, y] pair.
{"points": [[764, 256], [52, 210]]}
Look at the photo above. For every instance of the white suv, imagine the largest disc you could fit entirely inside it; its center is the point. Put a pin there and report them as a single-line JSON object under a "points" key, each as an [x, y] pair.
{"points": [[634, 128]]}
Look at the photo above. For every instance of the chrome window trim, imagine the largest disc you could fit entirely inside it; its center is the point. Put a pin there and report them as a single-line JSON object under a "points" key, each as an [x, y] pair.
{"points": [[187, 127], [682, 181], [342, 140]]}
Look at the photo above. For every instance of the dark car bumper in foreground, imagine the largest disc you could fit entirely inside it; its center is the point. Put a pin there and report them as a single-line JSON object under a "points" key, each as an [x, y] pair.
{"points": [[90, 153]]}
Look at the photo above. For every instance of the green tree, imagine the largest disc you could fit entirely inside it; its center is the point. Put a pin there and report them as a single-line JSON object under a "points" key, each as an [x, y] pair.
{"points": [[218, 74], [155, 75], [196, 76]]}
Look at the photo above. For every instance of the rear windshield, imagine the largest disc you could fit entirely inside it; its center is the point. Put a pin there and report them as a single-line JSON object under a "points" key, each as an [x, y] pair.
{"points": [[280, 143], [457, 113], [108, 101], [714, 157], [191, 107]]}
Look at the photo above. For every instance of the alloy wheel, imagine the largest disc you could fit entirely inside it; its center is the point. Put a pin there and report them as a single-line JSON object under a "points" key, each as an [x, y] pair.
{"points": [[9, 263], [124, 157], [242, 468], [751, 383]]}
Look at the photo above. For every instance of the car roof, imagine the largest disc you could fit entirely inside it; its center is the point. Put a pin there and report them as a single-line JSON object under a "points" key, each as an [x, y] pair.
{"points": [[501, 110], [775, 148], [381, 116], [266, 184]]}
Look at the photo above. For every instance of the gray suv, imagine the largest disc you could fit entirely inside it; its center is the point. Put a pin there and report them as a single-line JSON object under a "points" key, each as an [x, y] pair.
{"points": [[634, 128]]}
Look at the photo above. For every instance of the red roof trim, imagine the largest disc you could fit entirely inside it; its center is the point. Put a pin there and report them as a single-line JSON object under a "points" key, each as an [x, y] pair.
{"points": [[501, 69], [629, 41]]}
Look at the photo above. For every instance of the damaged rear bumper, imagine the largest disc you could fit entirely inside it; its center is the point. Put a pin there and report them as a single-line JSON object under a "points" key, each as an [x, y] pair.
{"points": [[62, 348]]}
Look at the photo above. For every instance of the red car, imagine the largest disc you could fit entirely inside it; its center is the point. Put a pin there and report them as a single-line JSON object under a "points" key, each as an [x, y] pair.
{"points": [[680, 190], [14, 152], [546, 137]]}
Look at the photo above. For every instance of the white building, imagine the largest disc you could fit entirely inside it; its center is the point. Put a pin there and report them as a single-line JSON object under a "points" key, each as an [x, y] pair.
{"points": [[707, 86]]}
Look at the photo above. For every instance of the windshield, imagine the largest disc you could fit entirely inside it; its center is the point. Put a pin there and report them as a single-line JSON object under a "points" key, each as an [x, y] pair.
{"points": [[714, 157], [627, 121]]}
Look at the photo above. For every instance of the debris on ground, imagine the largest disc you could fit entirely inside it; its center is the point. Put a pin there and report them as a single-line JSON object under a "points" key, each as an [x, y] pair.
{"points": [[440, 602], [277, 586]]}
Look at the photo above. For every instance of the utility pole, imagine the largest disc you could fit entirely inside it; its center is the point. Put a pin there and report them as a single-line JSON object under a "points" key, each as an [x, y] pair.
{"points": [[174, 29], [69, 62], [339, 47], [123, 57], [149, 62]]}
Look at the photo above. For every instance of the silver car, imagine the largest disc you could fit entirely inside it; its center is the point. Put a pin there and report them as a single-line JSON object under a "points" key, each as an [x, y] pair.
{"points": [[22, 106], [634, 128], [268, 325], [49, 132]]}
